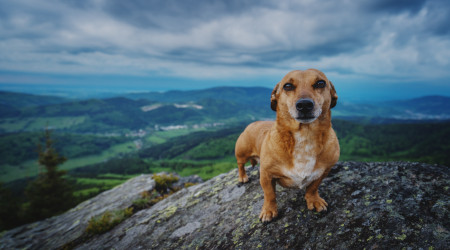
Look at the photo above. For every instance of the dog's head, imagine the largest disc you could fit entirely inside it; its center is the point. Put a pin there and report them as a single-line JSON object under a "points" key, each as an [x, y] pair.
{"points": [[304, 95]]}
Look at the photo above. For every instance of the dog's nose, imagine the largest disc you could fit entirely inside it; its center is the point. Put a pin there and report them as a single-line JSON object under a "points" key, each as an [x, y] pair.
{"points": [[305, 105]]}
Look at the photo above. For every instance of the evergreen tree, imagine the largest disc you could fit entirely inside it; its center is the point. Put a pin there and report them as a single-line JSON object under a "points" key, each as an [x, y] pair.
{"points": [[50, 193]]}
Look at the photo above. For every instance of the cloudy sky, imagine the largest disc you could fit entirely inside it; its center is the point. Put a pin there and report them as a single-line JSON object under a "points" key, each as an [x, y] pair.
{"points": [[369, 49]]}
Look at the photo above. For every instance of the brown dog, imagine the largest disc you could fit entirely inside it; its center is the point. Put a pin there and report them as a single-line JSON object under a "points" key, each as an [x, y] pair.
{"points": [[300, 147]]}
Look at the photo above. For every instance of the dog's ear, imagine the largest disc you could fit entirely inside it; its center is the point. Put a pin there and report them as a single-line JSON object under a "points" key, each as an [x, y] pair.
{"points": [[273, 98], [334, 96]]}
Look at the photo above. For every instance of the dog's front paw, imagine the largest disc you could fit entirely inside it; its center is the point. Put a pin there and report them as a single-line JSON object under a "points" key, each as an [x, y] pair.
{"points": [[243, 179], [267, 214], [316, 202]]}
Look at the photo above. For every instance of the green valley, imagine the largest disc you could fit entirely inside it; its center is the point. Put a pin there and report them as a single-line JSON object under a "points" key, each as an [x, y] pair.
{"points": [[110, 140]]}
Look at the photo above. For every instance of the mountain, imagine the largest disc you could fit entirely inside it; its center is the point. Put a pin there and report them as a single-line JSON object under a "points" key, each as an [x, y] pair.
{"points": [[120, 113], [416, 109], [371, 205], [255, 96], [21, 100], [8, 111], [83, 107], [215, 105], [427, 107], [423, 108]]}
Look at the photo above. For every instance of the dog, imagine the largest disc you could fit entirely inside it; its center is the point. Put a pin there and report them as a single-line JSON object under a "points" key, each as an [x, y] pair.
{"points": [[300, 147]]}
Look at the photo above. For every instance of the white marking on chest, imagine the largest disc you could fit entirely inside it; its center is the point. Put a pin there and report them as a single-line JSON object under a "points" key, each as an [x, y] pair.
{"points": [[304, 160]]}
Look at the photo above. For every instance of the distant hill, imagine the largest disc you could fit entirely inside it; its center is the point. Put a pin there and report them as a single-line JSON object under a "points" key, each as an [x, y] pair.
{"points": [[427, 107], [248, 95], [21, 100], [8, 111], [423, 108], [87, 107], [224, 105], [120, 113]]}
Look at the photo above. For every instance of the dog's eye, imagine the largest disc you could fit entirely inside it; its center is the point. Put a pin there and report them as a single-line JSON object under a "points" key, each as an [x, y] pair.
{"points": [[288, 87], [320, 84]]}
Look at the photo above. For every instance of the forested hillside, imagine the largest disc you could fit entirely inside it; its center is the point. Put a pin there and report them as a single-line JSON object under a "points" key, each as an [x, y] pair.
{"points": [[19, 147], [197, 152], [21, 100], [200, 126], [110, 140]]}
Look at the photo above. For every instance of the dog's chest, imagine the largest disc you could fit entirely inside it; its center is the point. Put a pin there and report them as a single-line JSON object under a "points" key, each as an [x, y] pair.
{"points": [[304, 159]]}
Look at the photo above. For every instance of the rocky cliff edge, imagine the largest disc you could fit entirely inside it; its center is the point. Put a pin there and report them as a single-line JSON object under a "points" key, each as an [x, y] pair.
{"points": [[371, 205]]}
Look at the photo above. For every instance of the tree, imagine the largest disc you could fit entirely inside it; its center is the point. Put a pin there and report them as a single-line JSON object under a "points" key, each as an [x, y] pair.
{"points": [[50, 193]]}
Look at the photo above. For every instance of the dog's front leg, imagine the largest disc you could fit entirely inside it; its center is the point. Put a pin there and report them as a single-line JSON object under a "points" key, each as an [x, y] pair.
{"points": [[269, 209], [313, 200]]}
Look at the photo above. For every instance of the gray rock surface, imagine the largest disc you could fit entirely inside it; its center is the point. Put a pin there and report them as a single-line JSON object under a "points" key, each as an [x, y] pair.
{"points": [[371, 205], [188, 179], [56, 231]]}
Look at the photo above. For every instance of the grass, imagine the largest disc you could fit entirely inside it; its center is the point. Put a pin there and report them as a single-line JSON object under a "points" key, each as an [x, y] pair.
{"points": [[116, 176], [154, 139], [208, 172], [109, 219], [106, 221], [100, 182], [86, 192], [159, 137], [113, 151], [206, 169], [162, 169]]}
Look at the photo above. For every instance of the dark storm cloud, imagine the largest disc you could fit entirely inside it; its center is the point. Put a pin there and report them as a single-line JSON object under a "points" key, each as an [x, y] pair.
{"points": [[227, 37], [439, 18], [394, 6]]}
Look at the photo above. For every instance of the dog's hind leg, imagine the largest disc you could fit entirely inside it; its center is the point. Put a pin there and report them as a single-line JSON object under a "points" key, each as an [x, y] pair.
{"points": [[254, 162], [243, 178]]}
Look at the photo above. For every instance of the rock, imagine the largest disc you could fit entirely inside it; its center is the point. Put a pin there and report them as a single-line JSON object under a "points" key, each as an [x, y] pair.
{"points": [[194, 179], [371, 205], [56, 231], [189, 228]]}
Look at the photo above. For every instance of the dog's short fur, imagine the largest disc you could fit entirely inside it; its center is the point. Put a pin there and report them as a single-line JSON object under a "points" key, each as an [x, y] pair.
{"points": [[299, 148]]}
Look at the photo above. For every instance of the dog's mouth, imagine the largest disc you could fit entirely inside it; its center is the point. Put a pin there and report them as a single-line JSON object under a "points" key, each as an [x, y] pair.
{"points": [[308, 117], [305, 118]]}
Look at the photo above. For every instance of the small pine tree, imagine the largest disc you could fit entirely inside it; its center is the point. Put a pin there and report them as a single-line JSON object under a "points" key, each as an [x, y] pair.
{"points": [[50, 193]]}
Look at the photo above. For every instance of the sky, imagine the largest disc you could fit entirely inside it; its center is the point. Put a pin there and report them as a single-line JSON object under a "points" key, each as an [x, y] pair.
{"points": [[378, 49]]}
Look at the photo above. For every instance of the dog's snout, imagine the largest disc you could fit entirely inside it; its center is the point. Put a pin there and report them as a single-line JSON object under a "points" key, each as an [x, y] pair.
{"points": [[305, 105]]}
